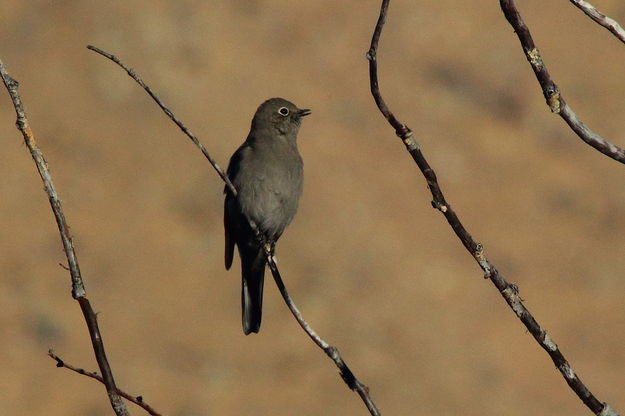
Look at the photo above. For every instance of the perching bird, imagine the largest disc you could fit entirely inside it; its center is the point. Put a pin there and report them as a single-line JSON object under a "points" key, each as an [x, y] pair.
{"points": [[268, 174]]}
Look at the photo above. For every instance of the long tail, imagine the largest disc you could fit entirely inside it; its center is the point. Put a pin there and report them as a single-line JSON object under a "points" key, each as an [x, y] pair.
{"points": [[253, 268]]}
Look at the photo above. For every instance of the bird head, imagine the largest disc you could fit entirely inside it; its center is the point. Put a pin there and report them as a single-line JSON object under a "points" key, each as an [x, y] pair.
{"points": [[279, 115]]}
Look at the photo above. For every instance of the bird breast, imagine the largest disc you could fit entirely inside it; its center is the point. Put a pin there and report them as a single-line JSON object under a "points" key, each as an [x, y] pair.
{"points": [[270, 189]]}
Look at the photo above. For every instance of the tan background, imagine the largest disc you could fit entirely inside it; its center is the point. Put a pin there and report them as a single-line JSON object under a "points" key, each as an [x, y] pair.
{"points": [[374, 268]]}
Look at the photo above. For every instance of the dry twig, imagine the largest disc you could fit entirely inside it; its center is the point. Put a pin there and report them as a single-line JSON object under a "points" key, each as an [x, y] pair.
{"points": [[332, 352], [552, 93], [78, 288], [605, 21], [510, 292], [138, 400]]}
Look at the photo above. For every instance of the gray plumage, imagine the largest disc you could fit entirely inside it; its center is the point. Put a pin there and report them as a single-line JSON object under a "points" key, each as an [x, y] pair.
{"points": [[267, 171]]}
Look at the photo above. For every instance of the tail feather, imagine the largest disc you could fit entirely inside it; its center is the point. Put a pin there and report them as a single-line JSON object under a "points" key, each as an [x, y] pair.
{"points": [[252, 293]]}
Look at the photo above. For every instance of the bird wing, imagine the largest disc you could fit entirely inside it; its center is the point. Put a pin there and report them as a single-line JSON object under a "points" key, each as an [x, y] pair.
{"points": [[229, 238], [230, 206]]}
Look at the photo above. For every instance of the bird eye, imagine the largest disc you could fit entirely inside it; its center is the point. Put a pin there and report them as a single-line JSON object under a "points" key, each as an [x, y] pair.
{"points": [[283, 111]]}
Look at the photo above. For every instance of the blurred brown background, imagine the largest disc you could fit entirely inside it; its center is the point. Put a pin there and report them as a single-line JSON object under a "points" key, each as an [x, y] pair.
{"points": [[375, 270]]}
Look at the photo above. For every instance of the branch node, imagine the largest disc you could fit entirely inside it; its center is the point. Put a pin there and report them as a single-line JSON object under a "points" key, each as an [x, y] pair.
{"points": [[514, 288], [608, 411], [333, 353], [479, 255], [553, 99], [479, 251], [407, 137], [438, 206]]}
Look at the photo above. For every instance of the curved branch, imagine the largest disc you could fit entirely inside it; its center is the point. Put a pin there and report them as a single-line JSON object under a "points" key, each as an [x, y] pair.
{"points": [[508, 291], [552, 93], [78, 287], [332, 352], [605, 21]]}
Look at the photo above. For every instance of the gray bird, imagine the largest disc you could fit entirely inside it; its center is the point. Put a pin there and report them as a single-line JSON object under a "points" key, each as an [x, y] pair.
{"points": [[268, 174]]}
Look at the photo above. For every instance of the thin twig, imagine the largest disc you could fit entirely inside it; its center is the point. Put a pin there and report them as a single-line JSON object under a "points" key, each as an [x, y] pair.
{"points": [[331, 351], [138, 400], [171, 116], [347, 375], [552, 93], [605, 21], [78, 288], [510, 292]]}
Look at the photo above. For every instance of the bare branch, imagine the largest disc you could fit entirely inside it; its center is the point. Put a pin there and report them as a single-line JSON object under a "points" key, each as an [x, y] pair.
{"points": [[510, 292], [78, 288], [138, 400], [332, 352], [552, 93], [171, 116], [605, 21]]}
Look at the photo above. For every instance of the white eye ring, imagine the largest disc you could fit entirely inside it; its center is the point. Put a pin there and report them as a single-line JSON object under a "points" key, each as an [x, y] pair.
{"points": [[283, 111]]}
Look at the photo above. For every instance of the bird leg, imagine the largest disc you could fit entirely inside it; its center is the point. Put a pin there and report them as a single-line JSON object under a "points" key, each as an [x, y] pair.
{"points": [[270, 248]]}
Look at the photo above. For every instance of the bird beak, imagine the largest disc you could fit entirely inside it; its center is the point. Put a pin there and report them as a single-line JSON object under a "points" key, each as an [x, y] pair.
{"points": [[303, 112]]}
